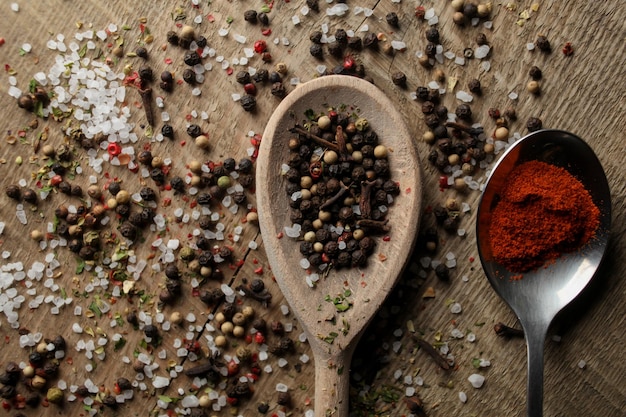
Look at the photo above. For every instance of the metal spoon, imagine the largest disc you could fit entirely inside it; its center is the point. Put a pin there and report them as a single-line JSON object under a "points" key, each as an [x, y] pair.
{"points": [[541, 294]]}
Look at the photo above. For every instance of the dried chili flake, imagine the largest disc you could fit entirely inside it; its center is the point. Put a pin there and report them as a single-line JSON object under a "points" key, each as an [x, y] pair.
{"points": [[259, 270], [266, 32], [168, 61], [568, 49]]}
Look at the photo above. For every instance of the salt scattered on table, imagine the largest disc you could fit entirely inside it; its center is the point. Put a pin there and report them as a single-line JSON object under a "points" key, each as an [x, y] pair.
{"points": [[476, 380]]}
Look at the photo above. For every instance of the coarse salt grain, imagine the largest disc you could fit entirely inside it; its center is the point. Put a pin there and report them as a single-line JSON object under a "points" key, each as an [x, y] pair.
{"points": [[476, 380]]}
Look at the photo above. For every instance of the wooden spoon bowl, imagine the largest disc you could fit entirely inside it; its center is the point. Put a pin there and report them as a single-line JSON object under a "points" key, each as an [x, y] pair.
{"points": [[333, 335]]}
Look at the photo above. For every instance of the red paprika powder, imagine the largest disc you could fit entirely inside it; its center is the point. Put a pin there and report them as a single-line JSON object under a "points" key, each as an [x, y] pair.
{"points": [[544, 211]]}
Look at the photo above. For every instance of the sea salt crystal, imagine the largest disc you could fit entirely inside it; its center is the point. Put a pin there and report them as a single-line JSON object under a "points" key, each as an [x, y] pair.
{"points": [[476, 380], [582, 364], [464, 96], [456, 308], [482, 51], [462, 397], [398, 45], [513, 95], [160, 382]]}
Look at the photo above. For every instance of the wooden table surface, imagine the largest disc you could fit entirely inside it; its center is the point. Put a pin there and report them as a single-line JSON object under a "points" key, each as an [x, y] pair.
{"points": [[582, 93]]}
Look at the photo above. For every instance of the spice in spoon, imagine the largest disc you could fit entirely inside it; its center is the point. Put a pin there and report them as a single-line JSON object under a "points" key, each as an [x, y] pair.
{"points": [[543, 212]]}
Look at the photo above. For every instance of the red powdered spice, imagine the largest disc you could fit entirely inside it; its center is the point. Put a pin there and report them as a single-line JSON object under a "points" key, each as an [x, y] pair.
{"points": [[543, 213]]}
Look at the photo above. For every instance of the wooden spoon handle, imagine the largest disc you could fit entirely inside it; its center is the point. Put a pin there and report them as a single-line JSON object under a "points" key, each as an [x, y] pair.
{"points": [[332, 384]]}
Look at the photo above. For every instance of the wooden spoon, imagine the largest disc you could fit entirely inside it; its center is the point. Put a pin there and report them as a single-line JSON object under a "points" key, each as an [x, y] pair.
{"points": [[333, 336]]}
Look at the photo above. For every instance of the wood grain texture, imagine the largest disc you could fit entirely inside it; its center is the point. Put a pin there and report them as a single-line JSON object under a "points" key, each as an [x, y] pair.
{"points": [[583, 93]]}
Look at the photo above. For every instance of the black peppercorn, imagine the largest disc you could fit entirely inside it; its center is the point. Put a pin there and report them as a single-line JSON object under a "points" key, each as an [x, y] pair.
{"points": [[442, 272], [114, 188], [172, 38], [26, 102], [242, 77], [141, 52], [481, 39], [189, 76], [87, 253], [147, 194], [533, 124], [128, 231], [167, 77], [250, 16], [543, 44], [278, 90], [428, 107], [30, 196], [341, 36], [535, 72], [335, 49], [463, 112], [157, 175], [370, 40], [192, 58], [177, 184], [248, 102], [151, 331], [13, 191], [166, 86], [172, 271], [204, 199], [316, 37], [399, 78], [474, 86], [145, 73], [432, 35], [358, 258], [167, 131], [263, 18], [392, 19], [145, 157], [430, 50], [284, 398], [263, 408], [123, 210], [431, 120], [274, 77], [470, 10], [261, 75], [201, 41], [421, 93], [356, 43], [65, 187], [194, 130], [76, 190], [316, 50]]}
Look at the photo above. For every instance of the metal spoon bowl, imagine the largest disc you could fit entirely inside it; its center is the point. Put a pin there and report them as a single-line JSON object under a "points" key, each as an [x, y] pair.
{"points": [[542, 293]]}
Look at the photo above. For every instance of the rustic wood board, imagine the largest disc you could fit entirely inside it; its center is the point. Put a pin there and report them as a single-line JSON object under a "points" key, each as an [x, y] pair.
{"points": [[582, 93]]}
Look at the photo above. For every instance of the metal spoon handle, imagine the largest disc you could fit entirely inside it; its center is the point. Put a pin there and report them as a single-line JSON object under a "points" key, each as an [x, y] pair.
{"points": [[535, 340]]}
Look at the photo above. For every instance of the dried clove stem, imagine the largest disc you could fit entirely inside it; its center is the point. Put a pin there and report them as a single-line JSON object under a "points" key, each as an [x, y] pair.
{"points": [[503, 330], [328, 203], [322, 142], [434, 353], [364, 203], [340, 138], [146, 99], [381, 226], [472, 131]]}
